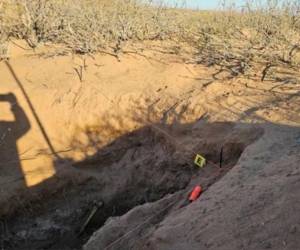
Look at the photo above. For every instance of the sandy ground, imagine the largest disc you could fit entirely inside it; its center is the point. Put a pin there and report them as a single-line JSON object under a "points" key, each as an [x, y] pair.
{"points": [[254, 206], [74, 127], [108, 91]]}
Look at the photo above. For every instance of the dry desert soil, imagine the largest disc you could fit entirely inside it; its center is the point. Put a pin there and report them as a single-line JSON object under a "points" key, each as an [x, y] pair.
{"points": [[97, 152]]}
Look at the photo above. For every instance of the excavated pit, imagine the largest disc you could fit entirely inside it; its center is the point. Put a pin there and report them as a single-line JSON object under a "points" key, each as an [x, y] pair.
{"points": [[137, 168]]}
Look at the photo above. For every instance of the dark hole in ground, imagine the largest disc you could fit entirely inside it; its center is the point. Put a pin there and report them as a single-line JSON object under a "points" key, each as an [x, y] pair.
{"points": [[139, 167]]}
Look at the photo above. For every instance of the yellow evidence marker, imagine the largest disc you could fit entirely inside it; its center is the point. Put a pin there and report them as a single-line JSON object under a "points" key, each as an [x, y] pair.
{"points": [[200, 161]]}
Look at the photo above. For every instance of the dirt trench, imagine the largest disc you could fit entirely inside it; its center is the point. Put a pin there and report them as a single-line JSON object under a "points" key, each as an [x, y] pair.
{"points": [[137, 168]]}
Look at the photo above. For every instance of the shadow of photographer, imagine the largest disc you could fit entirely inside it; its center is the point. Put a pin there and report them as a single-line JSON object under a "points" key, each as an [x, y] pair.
{"points": [[10, 133]]}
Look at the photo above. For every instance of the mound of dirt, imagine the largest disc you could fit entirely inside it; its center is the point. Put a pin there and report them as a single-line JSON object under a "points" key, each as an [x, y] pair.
{"points": [[252, 207]]}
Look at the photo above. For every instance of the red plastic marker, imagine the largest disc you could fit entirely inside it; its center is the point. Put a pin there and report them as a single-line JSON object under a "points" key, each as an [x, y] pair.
{"points": [[195, 193]]}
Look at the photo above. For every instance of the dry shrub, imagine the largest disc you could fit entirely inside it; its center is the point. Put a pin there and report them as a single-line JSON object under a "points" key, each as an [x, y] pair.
{"points": [[86, 26], [239, 41], [261, 37], [11, 23]]}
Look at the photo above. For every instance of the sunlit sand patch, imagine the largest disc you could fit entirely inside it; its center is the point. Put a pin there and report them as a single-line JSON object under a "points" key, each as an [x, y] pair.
{"points": [[5, 112], [37, 170]]}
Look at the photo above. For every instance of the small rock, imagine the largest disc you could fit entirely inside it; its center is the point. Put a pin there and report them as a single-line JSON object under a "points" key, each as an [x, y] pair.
{"points": [[267, 245], [293, 229], [22, 234]]}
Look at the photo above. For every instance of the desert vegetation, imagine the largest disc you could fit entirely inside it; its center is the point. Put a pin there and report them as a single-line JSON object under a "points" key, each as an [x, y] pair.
{"points": [[258, 37], [84, 26]]}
